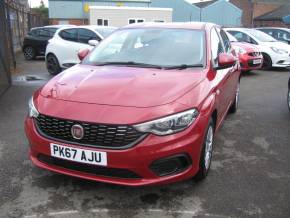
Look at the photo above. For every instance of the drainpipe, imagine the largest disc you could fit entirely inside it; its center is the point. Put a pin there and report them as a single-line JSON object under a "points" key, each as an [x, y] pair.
{"points": [[200, 14], [83, 10]]}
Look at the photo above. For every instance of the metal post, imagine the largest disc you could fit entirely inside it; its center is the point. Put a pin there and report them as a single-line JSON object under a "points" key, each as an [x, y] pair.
{"points": [[83, 5]]}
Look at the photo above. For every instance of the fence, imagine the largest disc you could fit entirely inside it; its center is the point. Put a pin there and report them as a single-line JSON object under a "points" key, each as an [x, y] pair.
{"points": [[15, 20]]}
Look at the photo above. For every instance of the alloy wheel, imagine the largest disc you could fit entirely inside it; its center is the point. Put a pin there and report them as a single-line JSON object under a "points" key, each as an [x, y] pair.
{"points": [[208, 147], [237, 98], [29, 53], [52, 64]]}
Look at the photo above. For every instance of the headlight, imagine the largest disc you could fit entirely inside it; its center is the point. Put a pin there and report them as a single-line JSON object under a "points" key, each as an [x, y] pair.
{"points": [[240, 51], [32, 112], [170, 124], [279, 51]]}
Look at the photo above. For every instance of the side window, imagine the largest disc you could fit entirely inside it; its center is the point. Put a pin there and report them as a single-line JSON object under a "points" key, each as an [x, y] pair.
{"points": [[52, 31], [44, 33], [132, 21], [86, 35], [226, 41], [69, 34], [282, 35], [34, 32], [216, 46]]}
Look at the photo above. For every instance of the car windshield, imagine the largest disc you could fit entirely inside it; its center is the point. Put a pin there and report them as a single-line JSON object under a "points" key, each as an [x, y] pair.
{"points": [[151, 47], [231, 37], [261, 36], [105, 31]]}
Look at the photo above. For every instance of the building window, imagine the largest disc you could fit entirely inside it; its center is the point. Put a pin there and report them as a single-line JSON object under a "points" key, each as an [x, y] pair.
{"points": [[132, 21], [103, 22], [135, 20]]}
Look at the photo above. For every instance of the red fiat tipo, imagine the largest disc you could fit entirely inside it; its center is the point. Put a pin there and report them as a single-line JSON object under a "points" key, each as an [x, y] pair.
{"points": [[142, 107]]}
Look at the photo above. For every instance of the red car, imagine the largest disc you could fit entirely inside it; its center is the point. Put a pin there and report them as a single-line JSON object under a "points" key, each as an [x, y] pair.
{"points": [[249, 55], [142, 107]]}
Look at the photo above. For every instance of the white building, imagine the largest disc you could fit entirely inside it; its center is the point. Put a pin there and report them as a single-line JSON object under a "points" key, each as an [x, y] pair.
{"points": [[121, 16]]}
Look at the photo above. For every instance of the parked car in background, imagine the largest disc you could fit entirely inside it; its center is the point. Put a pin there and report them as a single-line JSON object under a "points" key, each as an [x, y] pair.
{"points": [[275, 53], [250, 56], [62, 50], [35, 42], [142, 113], [281, 34]]}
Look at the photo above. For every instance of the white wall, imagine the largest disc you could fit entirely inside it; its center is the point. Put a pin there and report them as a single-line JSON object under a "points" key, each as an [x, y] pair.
{"points": [[119, 16]]}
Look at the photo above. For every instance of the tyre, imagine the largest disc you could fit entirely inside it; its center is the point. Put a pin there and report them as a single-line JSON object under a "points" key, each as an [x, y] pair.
{"points": [[234, 107], [288, 99], [29, 53], [206, 153], [52, 64], [267, 63]]}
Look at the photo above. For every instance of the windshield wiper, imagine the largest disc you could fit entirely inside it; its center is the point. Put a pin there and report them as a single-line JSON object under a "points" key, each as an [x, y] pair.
{"points": [[183, 66], [128, 63]]}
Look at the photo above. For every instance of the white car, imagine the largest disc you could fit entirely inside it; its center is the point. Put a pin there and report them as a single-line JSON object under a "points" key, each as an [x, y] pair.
{"points": [[62, 50], [275, 53]]}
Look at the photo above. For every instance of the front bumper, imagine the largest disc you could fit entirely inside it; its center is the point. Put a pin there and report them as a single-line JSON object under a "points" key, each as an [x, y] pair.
{"points": [[247, 62], [137, 159]]}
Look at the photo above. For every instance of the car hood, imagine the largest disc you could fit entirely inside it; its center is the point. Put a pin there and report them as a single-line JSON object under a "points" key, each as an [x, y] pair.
{"points": [[122, 86], [279, 45], [247, 46]]}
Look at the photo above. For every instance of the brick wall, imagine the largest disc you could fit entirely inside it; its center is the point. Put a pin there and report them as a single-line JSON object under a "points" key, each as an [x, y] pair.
{"points": [[253, 9], [263, 8], [271, 23], [68, 21]]}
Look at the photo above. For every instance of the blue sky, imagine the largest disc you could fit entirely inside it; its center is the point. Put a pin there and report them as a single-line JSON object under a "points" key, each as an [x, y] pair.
{"points": [[35, 3]]}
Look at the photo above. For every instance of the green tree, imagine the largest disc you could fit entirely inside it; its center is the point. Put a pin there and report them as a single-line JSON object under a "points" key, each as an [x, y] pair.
{"points": [[41, 9]]}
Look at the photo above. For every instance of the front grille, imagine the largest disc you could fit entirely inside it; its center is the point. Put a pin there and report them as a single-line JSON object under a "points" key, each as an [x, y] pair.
{"points": [[95, 135], [254, 54], [90, 169]]}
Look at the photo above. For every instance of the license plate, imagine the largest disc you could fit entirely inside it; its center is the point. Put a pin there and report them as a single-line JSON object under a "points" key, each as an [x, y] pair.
{"points": [[79, 155], [257, 61]]}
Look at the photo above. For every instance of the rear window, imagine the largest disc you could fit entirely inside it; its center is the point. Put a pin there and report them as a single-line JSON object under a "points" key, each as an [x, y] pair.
{"points": [[69, 34], [86, 35], [104, 32]]}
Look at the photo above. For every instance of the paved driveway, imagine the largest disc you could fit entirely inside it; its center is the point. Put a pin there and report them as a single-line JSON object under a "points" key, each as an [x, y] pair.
{"points": [[250, 174]]}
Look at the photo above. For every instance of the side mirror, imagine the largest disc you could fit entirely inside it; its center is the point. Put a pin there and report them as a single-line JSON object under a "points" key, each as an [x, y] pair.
{"points": [[83, 53], [225, 61], [93, 42]]}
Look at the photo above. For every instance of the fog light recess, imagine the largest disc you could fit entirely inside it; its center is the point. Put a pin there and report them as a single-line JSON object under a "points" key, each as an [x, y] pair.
{"points": [[171, 165]]}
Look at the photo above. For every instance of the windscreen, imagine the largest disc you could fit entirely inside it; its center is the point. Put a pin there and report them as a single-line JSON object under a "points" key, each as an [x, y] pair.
{"points": [[161, 46], [261, 36]]}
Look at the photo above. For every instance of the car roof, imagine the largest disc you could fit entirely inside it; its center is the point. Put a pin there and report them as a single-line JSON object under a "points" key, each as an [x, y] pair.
{"points": [[173, 25], [91, 27], [273, 28], [51, 26]]}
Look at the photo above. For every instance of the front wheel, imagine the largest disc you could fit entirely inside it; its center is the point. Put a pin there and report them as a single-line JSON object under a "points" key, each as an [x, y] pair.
{"points": [[267, 63], [235, 105], [206, 153], [52, 64]]}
